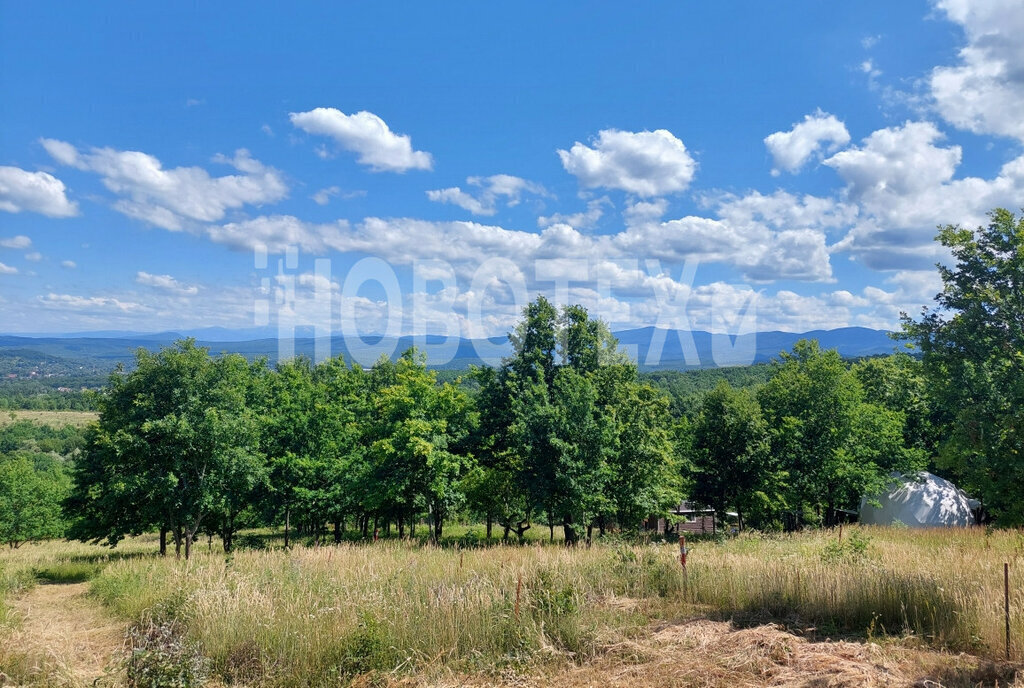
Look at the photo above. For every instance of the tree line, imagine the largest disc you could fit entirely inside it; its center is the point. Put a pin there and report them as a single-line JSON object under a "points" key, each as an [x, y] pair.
{"points": [[565, 433]]}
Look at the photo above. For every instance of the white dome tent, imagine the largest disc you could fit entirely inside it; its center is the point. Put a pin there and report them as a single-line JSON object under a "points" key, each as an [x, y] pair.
{"points": [[922, 500]]}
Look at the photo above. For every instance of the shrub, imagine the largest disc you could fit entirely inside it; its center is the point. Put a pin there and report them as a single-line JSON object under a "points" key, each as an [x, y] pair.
{"points": [[160, 657]]}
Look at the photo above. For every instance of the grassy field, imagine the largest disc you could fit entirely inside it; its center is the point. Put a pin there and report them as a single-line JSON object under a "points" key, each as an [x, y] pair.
{"points": [[54, 419], [906, 601]]}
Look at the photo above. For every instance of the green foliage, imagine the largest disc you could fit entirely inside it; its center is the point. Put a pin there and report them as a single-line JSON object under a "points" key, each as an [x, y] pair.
{"points": [[972, 350], [569, 431], [30, 500], [158, 656], [852, 549], [175, 446], [732, 464], [833, 445], [686, 388]]}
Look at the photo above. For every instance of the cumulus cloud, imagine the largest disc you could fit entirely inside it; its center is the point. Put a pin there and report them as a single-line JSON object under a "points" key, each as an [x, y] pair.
{"points": [[35, 256], [984, 91], [34, 192], [645, 163], [69, 264], [171, 198], [903, 181], [492, 190], [166, 283], [367, 135], [17, 242], [641, 212], [818, 132], [276, 233], [8, 270], [586, 219]]}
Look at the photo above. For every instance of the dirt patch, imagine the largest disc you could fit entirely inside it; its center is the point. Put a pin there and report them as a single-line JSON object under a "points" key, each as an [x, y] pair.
{"points": [[62, 637]]}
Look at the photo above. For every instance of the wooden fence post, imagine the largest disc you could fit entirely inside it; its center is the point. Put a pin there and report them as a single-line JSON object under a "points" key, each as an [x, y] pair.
{"points": [[1006, 605]]}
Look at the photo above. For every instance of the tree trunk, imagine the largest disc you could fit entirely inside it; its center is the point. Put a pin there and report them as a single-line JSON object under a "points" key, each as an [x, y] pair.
{"points": [[438, 526], [287, 525], [337, 531], [188, 545], [571, 538], [600, 526], [177, 542], [163, 541], [490, 521]]}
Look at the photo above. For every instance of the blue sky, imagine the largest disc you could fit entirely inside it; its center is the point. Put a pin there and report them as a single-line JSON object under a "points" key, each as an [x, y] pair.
{"points": [[726, 167]]}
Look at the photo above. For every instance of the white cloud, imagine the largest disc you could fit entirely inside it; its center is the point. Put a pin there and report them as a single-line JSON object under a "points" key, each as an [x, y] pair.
{"points": [[646, 163], [323, 196], [8, 270], [586, 219], [166, 283], [17, 242], [69, 264], [904, 185], [72, 302], [642, 212], [492, 190], [171, 198], [869, 42], [35, 256], [791, 149], [984, 91], [277, 232], [34, 192], [367, 135]]}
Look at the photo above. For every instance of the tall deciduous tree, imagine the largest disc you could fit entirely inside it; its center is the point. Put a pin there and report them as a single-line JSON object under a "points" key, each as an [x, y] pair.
{"points": [[834, 446], [973, 354], [733, 467], [174, 439], [585, 441]]}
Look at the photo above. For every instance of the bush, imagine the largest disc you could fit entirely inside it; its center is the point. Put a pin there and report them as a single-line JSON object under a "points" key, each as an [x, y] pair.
{"points": [[853, 549], [160, 657]]}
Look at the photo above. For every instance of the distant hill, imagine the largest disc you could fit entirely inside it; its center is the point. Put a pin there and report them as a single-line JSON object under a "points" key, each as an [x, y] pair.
{"points": [[652, 348]]}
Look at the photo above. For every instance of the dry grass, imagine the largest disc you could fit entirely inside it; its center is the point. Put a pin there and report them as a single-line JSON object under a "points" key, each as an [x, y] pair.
{"points": [[314, 616], [61, 637], [753, 611], [52, 418], [714, 654]]}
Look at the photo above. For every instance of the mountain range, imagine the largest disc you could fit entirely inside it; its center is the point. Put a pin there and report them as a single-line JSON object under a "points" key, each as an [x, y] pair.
{"points": [[651, 347]]}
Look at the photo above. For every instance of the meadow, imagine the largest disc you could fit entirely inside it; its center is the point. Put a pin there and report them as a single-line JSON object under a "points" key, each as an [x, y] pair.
{"points": [[56, 419], [320, 616]]}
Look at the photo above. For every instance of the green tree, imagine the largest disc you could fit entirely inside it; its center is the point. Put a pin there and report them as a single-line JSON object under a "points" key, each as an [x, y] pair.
{"points": [[898, 383], [584, 439], [732, 464], [174, 439], [834, 446], [30, 501], [972, 349], [419, 449]]}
